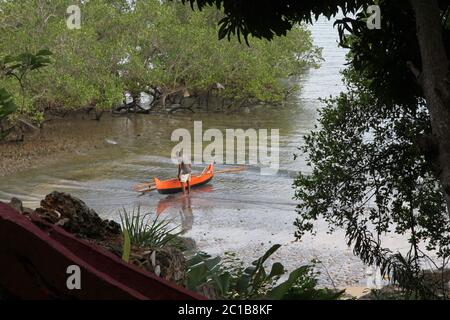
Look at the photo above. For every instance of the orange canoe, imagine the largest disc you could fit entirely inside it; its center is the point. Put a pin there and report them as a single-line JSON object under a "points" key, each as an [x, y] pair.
{"points": [[174, 185]]}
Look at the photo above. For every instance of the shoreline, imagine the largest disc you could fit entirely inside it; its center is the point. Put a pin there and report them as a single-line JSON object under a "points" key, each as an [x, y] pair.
{"points": [[63, 136], [53, 142], [20, 156]]}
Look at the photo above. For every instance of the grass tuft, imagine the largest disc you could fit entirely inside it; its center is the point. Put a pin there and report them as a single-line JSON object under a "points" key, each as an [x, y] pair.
{"points": [[145, 230]]}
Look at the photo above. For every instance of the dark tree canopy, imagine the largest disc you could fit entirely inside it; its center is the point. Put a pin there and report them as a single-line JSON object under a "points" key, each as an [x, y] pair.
{"points": [[380, 158], [385, 54], [269, 18]]}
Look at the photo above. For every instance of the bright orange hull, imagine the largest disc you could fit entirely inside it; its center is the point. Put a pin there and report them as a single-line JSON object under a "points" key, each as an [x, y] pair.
{"points": [[174, 185]]}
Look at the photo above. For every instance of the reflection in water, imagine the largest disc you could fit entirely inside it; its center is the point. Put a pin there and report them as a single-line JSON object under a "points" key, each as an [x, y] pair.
{"points": [[187, 217], [183, 204]]}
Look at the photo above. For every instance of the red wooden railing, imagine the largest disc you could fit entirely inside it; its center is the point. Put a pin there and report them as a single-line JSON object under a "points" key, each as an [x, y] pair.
{"points": [[34, 261]]}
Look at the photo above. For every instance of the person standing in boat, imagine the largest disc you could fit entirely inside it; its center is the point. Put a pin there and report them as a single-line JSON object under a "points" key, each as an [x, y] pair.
{"points": [[184, 174]]}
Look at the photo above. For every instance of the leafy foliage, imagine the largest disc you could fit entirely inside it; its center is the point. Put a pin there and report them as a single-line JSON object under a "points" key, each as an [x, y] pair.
{"points": [[302, 285], [145, 231], [18, 67], [7, 107], [386, 56], [143, 46], [374, 156], [387, 65], [232, 281], [269, 18], [370, 178]]}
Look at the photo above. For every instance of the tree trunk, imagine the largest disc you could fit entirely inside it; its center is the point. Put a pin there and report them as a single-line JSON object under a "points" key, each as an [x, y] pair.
{"points": [[435, 82]]}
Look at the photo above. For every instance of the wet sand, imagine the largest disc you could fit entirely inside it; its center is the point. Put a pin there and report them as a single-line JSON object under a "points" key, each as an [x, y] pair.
{"points": [[58, 140]]}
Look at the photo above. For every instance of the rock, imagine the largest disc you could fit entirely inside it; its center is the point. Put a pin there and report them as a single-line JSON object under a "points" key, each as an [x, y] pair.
{"points": [[112, 227], [168, 263], [16, 204], [27, 211], [188, 244], [76, 217]]}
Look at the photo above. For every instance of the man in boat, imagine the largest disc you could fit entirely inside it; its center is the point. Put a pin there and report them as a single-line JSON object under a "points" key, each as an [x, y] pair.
{"points": [[184, 174]]}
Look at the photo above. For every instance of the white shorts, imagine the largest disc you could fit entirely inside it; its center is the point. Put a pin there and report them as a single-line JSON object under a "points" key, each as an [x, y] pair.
{"points": [[185, 177]]}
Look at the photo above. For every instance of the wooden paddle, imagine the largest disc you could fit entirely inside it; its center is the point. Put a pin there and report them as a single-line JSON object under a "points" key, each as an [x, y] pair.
{"points": [[231, 170], [145, 190], [143, 186]]}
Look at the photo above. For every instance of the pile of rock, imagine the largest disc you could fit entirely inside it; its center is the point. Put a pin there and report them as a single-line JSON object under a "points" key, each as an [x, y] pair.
{"points": [[74, 216]]}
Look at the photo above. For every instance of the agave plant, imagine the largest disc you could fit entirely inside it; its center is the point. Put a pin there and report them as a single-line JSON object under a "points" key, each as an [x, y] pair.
{"points": [[146, 230]]}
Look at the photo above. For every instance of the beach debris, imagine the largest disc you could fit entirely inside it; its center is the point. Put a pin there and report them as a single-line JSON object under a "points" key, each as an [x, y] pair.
{"points": [[109, 141], [17, 205], [168, 263]]}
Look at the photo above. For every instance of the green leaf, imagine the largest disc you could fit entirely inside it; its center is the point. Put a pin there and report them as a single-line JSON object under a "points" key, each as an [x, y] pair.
{"points": [[222, 282], [269, 252], [279, 291], [197, 275], [44, 52], [198, 258], [277, 270], [243, 283], [7, 105]]}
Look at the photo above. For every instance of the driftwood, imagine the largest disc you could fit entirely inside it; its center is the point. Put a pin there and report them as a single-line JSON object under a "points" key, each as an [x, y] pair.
{"points": [[28, 124], [165, 95], [132, 107], [180, 107]]}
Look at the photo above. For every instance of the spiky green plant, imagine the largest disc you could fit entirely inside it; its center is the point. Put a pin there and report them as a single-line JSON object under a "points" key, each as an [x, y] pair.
{"points": [[145, 230]]}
